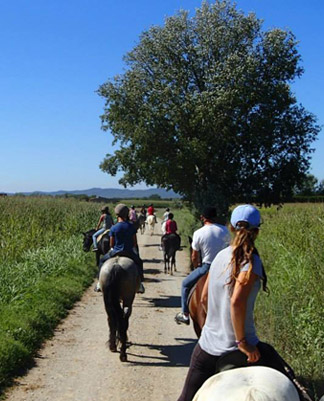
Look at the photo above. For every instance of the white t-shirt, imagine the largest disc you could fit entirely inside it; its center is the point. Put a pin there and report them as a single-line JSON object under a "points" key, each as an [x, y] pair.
{"points": [[218, 336], [209, 240], [165, 216]]}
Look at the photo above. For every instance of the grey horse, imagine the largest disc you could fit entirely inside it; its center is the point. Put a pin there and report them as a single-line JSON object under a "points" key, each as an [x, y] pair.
{"points": [[119, 281]]}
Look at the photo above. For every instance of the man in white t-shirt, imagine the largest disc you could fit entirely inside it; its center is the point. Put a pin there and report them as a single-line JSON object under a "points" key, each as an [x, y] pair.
{"points": [[207, 242]]}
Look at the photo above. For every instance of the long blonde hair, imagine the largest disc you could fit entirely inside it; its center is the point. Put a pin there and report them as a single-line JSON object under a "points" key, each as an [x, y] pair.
{"points": [[243, 248]]}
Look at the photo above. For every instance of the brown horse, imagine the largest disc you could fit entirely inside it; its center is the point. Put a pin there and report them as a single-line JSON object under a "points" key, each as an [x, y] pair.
{"points": [[197, 309]]}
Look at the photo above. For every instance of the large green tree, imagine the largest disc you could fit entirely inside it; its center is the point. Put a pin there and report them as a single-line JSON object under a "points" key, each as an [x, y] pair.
{"points": [[205, 108]]}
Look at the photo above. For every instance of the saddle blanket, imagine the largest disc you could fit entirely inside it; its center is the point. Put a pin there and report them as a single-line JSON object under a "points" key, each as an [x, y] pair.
{"points": [[101, 235]]}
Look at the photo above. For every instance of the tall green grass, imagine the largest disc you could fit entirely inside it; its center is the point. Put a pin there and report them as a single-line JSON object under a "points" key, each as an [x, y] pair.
{"points": [[291, 244], [43, 271]]}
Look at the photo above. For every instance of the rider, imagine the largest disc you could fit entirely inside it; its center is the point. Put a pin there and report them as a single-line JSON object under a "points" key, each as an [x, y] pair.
{"points": [[106, 221], [143, 211], [207, 241], [123, 241], [166, 214], [233, 283], [170, 228], [151, 211], [132, 214]]}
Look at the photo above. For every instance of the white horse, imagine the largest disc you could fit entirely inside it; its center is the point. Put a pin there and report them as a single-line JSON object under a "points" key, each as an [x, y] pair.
{"points": [[151, 220], [254, 383], [163, 227]]}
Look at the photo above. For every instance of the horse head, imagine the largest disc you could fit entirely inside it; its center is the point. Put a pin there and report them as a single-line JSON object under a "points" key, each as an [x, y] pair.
{"points": [[87, 240]]}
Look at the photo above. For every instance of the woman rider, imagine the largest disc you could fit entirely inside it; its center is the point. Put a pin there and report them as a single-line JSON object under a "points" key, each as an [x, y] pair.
{"points": [[106, 221], [233, 284]]}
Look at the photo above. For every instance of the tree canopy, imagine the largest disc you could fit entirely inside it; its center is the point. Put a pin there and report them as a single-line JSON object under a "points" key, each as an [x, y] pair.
{"points": [[205, 108]]}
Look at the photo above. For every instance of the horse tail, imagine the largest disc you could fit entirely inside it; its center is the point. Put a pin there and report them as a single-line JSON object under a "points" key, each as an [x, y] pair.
{"points": [[111, 294]]}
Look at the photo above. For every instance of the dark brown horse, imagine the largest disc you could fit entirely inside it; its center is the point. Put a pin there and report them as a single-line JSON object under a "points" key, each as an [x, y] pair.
{"points": [[171, 244], [103, 244], [197, 309]]}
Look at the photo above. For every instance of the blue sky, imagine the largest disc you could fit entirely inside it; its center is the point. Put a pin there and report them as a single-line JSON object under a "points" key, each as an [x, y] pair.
{"points": [[54, 56]]}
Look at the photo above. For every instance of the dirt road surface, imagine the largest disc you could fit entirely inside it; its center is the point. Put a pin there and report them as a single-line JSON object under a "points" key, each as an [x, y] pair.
{"points": [[77, 365]]}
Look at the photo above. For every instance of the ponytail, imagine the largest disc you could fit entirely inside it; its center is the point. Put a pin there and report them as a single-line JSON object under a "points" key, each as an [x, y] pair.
{"points": [[243, 250]]}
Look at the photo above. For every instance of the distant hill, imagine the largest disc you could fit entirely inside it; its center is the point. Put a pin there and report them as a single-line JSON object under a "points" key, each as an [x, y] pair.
{"points": [[113, 193]]}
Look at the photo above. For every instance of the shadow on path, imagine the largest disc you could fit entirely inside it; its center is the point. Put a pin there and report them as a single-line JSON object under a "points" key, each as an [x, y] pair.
{"points": [[171, 355], [170, 301], [154, 260]]}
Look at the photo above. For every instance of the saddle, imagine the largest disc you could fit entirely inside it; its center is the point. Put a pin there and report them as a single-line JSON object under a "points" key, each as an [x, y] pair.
{"points": [[103, 234], [231, 360]]}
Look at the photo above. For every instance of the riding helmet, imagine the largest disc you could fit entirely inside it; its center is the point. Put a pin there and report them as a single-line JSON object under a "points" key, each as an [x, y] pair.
{"points": [[121, 210]]}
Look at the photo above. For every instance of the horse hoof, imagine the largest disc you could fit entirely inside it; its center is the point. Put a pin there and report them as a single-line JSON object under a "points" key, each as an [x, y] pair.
{"points": [[123, 357], [113, 348]]}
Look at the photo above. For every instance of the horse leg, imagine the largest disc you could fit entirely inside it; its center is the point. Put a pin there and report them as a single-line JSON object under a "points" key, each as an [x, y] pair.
{"points": [[112, 334], [123, 338], [174, 262], [123, 331]]}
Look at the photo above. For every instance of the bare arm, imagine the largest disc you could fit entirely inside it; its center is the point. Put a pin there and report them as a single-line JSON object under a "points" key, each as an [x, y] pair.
{"points": [[112, 242], [99, 222], [238, 314], [195, 258]]}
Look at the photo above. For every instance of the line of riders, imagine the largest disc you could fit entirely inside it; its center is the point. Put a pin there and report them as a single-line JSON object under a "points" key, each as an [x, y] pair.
{"points": [[235, 274], [122, 234]]}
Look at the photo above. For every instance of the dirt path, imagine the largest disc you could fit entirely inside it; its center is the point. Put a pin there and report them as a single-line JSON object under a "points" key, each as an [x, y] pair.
{"points": [[77, 365]]}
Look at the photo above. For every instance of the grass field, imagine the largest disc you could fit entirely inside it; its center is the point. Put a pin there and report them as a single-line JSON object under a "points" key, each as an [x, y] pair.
{"points": [[291, 244], [44, 270]]}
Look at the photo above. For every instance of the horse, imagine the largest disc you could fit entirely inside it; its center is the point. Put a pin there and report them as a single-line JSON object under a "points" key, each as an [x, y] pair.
{"points": [[103, 244], [257, 383], [151, 220], [171, 243], [119, 281], [141, 222], [163, 227], [197, 310]]}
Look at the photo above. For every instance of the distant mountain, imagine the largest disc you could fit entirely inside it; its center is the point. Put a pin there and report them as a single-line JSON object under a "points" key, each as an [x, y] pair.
{"points": [[113, 193]]}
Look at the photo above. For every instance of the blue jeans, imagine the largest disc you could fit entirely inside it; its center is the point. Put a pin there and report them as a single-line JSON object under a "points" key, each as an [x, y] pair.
{"points": [[105, 257], [95, 235], [189, 282]]}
